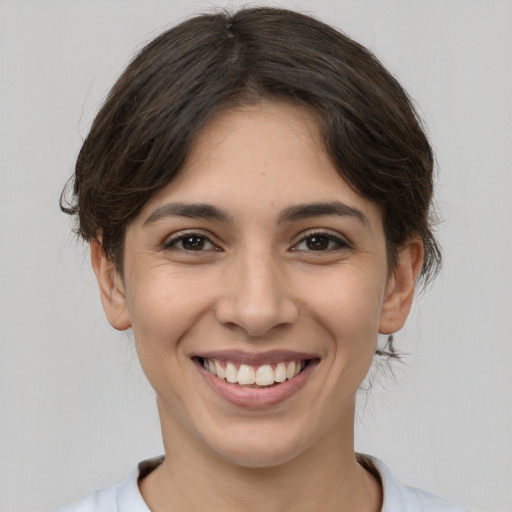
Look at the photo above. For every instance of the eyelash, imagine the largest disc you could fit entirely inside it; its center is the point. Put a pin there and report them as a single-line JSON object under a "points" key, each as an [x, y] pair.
{"points": [[339, 242], [172, 243]]}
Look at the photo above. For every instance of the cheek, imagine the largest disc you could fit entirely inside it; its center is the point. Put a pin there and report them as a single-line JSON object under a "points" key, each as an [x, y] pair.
{"points": [[349, 313], [163, 306], [165, 310], [347, 302]]}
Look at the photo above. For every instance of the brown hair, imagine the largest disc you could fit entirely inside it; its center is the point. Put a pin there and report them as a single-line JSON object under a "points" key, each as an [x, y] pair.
{"points": [[149, 121]]}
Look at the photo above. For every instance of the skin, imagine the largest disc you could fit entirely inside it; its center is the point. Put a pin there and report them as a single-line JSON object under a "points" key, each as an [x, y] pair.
{"points": [[258, 283]]}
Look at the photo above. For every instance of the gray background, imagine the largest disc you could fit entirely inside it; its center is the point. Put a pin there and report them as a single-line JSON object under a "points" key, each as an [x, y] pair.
{"points": [[76, 413]]}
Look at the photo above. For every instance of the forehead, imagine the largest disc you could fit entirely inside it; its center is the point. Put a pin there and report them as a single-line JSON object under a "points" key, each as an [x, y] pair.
{"points": [[259, 159], [256, 139]]}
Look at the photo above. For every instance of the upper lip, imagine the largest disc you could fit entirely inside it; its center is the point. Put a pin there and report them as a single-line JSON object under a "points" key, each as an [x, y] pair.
{"points": [[255, 358]]}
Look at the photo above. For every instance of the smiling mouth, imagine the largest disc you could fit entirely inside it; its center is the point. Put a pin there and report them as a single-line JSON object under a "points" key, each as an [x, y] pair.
{"points": [[249, 376]]}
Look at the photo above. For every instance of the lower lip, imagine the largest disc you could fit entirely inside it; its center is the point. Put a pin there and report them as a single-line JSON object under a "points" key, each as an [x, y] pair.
{"points": [[257, 398]]}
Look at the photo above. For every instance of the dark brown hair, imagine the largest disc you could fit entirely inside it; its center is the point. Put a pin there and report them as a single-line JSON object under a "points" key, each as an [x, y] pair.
{"points": [[151, 117]]}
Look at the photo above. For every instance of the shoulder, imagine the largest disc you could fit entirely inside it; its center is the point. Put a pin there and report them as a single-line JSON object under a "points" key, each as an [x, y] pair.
{"points": [[123, 497], [100, 501], [402, 498]]}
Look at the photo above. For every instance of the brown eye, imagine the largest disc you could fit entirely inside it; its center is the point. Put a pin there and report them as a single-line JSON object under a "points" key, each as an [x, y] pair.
{"points": [[321, 242], [317, 243], [192, 242]]}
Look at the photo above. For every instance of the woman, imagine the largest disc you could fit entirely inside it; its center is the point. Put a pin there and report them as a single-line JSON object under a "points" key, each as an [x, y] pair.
{"points": [[256, 193]]}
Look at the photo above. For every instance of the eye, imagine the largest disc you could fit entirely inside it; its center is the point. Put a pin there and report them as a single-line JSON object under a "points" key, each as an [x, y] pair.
{"points": [[190, 242], [321, 242]]}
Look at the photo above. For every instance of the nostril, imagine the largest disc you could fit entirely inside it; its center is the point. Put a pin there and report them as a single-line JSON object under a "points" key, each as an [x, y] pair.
{"points": [[255, 318]]}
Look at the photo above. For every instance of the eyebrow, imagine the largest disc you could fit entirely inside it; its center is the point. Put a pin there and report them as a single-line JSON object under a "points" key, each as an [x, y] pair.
{"points": [[320, 209], [190, 210], [293, 213]]}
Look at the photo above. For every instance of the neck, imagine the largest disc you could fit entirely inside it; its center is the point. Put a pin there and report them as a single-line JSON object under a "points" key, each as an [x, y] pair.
{"points": [[325, 477]]}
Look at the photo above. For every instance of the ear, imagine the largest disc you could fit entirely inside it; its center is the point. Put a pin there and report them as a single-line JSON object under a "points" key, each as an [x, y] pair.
{"points": [[400, 288], [112, 292]]}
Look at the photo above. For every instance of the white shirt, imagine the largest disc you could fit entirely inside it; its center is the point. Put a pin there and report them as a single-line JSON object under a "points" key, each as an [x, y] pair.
{"points": [[126, 497]]}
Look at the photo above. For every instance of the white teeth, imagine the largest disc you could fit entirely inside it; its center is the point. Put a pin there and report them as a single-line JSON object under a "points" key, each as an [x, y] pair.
{"points": [[265, 375], [220, 370], [246, 374], [231, 373], [280, 372], [290, 370]]}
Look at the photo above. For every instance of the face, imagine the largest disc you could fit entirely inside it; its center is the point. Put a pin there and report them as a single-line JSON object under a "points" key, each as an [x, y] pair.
{"points": [[256, 284]]}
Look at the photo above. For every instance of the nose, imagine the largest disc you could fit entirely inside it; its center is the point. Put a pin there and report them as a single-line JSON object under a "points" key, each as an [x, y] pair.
{"points": [[257, 297]]}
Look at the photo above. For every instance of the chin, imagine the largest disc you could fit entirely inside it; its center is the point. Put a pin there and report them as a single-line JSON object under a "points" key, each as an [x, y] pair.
{"points": [[257, 458], [256, 450]]}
